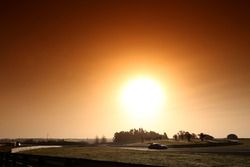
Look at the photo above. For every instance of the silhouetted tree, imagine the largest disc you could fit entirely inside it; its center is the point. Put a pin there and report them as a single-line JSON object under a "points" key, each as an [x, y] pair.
{"points": [[137, 135], [187, 136], [103, 140], [181, 135], [201, 136], [165, 136], [97, 140], [194, 136], [184, 135], [175, 137]]}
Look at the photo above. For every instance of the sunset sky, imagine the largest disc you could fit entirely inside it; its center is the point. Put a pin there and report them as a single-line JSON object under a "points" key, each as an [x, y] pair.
{"points": [[63, 66]]}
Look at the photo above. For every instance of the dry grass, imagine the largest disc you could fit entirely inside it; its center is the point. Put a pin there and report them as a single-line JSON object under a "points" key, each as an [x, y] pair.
{"points": [[161, 158]]}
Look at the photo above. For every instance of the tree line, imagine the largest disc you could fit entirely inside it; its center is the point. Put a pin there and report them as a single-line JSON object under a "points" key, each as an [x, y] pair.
{"points": [[137, 135], [103, 140], [141, 135], [185, 135]]}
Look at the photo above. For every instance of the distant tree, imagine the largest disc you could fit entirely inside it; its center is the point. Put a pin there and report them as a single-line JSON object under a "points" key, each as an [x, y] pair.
{"points": [[165, 136], [97, 140], [137, 135], [187, 136], [103, 140], [181, 134], [194, 136], [201, 136], [175, 137]]}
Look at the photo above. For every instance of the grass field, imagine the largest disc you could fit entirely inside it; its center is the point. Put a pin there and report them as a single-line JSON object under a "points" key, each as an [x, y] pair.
{"points": [[161, 158]]}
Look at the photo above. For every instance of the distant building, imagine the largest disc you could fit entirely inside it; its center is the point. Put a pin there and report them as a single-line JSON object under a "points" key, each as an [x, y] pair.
{"points": [[208, 137], [232, 137]]}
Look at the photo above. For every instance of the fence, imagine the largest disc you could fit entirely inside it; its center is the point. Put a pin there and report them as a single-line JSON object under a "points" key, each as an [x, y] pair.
{"points": [[17, 159]]}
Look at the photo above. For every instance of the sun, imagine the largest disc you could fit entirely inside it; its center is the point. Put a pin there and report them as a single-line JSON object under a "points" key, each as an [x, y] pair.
{"points": [[142, 98]]}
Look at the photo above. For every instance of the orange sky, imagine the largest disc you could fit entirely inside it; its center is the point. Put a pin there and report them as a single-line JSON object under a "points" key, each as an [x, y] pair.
{"points": [[63, 64]]}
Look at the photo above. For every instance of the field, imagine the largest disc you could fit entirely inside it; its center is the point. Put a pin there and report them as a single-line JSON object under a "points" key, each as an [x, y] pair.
{"points": [[161, 158]]}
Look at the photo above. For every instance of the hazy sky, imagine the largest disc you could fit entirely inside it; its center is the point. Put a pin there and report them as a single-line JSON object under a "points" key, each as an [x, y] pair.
{"points": [[63, 65]]}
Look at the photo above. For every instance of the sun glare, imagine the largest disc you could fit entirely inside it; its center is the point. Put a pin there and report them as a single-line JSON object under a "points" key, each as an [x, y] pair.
{"points": [[143, 98]]}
